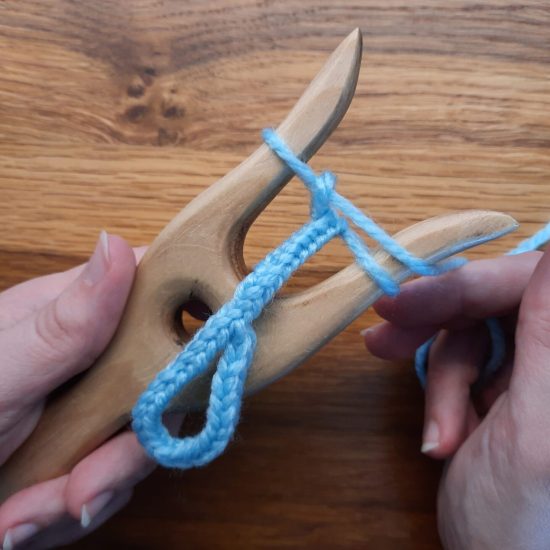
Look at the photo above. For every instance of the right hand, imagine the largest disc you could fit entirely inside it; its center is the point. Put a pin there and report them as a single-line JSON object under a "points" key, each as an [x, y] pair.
{"points": [[495, 489]]}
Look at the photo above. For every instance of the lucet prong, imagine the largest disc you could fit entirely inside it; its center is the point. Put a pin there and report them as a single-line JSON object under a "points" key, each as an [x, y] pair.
{"points": [[197, 255], [232, 203]]}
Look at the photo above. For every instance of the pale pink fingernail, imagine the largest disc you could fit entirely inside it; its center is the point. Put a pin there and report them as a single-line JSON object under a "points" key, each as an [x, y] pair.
{"points": [[430, 440], [18, 534], [90, 510], [98, 264]]}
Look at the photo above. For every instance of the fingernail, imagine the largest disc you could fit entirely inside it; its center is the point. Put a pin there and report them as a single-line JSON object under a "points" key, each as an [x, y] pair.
{"points": [[365, 331], [98, 264], [431, 437], [90, 510], [18, 534]]}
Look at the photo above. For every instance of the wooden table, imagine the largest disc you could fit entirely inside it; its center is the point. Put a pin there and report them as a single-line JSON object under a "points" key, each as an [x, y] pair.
{"points": [[114, 114]]}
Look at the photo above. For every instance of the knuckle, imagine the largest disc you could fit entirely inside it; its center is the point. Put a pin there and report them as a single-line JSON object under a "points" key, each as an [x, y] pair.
{"points": [[58, 331]]}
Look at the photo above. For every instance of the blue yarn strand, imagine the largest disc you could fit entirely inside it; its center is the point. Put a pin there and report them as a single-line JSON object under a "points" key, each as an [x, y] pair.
{"points": [[229, 336], [539, 239], [496, 334]]}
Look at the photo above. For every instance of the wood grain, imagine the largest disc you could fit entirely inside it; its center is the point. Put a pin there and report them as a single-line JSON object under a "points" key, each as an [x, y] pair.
{"points": [[115, 114]]}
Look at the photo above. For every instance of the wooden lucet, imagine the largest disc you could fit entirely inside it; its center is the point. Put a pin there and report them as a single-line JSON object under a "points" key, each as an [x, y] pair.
{"points": [[199, 255]]}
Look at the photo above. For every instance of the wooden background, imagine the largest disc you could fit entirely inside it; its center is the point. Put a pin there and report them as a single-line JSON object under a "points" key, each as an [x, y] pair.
{"points": [[113, 114]]}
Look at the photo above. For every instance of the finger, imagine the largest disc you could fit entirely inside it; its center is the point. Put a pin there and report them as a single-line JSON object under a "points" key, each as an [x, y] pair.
{"points": [[28, 297], [480, 289], [531, 374], [63, 528], [68, 333], [69, 530], [453, 367], [32, 510], [389, 341], [84, 494], [20, 300], [117, 465]]}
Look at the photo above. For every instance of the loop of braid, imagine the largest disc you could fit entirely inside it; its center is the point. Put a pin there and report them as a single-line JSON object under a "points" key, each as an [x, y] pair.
{"points": [[229, 334]]}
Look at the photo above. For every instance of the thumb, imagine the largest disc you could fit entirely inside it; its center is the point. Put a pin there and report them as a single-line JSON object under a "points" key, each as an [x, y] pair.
{"points": [[67, 334], [532, 360]]}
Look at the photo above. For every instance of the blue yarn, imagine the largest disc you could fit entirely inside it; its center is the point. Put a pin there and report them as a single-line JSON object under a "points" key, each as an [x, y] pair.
{"points": [[496, 334], [229, 334], [421, 360], [540, 238]]}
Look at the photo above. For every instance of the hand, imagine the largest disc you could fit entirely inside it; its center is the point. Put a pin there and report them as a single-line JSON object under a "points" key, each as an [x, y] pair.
{"points": [[52, 328], [494, 492]]}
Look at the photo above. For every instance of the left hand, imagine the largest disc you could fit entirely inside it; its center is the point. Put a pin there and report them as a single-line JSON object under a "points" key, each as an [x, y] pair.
{"points": [[52, 328]]}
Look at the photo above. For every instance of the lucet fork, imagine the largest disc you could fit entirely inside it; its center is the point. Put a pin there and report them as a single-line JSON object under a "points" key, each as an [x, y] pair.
{"points": [[199, 256]]}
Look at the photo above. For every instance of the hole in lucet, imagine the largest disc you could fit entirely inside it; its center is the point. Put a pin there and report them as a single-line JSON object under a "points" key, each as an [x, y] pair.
{"points": [[189, 318]]}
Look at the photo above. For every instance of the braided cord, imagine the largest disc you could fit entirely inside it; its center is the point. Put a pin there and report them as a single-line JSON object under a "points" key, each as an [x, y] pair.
{"points": [[228, 336]]}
